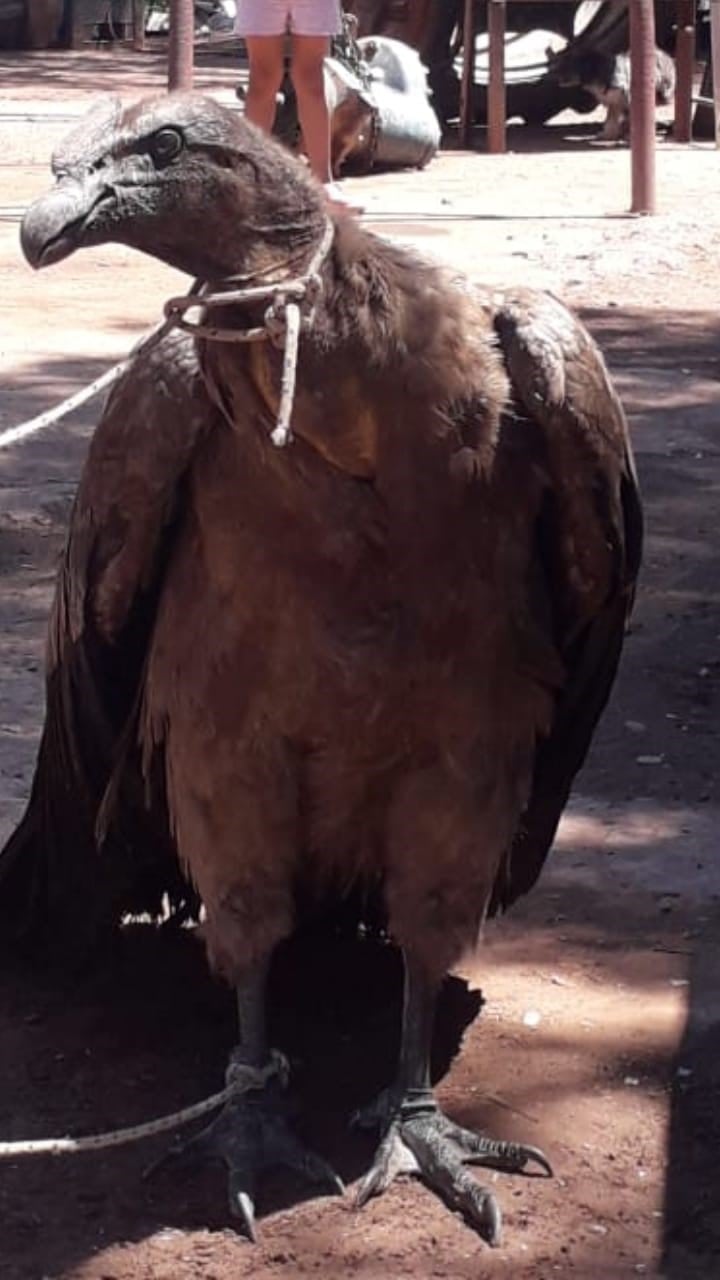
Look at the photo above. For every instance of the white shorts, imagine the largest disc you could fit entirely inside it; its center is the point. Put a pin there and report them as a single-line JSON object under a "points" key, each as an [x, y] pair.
{"points": [[275, 17]]}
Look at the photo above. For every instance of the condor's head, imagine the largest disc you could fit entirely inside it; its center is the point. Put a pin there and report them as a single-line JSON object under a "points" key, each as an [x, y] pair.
{"points": [[179, 177]]}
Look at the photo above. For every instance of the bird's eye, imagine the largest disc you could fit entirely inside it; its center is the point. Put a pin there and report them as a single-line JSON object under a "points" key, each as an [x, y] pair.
{"points": [[165, 145]]}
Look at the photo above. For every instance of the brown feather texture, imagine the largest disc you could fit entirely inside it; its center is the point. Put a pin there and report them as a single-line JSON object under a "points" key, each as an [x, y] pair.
{"points": [[372, 661]]}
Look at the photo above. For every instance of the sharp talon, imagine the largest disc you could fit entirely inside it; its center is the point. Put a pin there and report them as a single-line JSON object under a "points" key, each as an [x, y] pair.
{"points": [[509, 1157], [318, 1170], [242, 1207], [534, 1153], [493, 1222], [370, 1186], [362, 1195], [393, 1157], [514, 1158]]}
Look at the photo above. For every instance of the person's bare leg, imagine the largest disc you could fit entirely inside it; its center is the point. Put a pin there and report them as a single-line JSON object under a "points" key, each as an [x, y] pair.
{"points": [[308, 55], [266, 55]]}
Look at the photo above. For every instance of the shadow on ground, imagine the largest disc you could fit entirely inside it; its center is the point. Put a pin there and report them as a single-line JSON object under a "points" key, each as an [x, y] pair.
{"points": [[102, 70]]}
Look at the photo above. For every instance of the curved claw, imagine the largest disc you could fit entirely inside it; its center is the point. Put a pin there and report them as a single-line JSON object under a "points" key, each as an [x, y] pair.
{"points": [[381, 1173], [318, 1170], [335, 1181], [534, 1153], [392, 1157], [373, 1184], [476, 1202], [489, 1219], [509, 1157], [434, 1141], [242, 1205]]}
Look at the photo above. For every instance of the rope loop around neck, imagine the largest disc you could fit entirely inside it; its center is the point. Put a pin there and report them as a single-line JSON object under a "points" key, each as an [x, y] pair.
{"points": [[291, 311]]}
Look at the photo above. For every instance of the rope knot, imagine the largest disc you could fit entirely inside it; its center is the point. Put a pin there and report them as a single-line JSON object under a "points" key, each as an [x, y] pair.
{"points": [[304, 296], [291, 311], [275, 320], [239, 1075]]}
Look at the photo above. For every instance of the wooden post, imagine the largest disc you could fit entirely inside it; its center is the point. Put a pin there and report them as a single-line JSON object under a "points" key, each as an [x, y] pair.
{"points": [[181, 45], [138, 25], [715, 58], [76, 28], [468, 73], [497, 106], [642, 105], [684, 67]]}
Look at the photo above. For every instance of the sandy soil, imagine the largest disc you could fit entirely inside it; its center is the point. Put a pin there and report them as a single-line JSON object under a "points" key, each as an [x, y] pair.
{"points": [[616, 954]]}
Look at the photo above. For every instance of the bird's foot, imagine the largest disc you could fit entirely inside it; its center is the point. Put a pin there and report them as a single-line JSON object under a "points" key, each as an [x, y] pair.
{"points": [[250, 1135], [420, 1140]]}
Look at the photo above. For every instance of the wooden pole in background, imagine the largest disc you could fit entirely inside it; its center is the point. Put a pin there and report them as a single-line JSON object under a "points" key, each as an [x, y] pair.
{"points": [[181, 45], [642, 105], [138, 25], [468, 73], [497, 104], [684, 68], [715, 57]]}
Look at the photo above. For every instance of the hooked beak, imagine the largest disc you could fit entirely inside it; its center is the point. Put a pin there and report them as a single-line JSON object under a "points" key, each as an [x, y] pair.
{"points": [[54, 225]]}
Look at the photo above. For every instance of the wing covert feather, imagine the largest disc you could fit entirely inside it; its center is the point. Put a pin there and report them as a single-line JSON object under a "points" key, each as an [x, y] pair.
{"points": [[588, 543]]}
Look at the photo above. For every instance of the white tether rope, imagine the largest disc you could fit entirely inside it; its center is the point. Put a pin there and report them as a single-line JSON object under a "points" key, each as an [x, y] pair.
{"points": [[291, 309], [47, 419], [241, 1079]]}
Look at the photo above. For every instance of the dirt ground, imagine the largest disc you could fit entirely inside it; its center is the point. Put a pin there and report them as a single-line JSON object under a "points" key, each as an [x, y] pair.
{"points": [[616, 956]]}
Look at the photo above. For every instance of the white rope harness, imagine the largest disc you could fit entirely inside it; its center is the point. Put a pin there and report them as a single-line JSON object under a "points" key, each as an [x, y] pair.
{"points": [[291, 311], [241, 1079]]}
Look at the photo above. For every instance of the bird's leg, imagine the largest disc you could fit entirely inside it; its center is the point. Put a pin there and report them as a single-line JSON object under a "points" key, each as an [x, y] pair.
{"points": [[419, 1139], [252, 1049], [251, 1133]]}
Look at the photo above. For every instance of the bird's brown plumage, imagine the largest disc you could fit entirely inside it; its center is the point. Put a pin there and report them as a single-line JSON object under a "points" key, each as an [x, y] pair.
{"points": [[375, 658]]}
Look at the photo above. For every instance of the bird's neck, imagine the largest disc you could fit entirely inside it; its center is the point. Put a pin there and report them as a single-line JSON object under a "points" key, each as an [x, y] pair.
{"points": [[386, 346], [268, 261]]}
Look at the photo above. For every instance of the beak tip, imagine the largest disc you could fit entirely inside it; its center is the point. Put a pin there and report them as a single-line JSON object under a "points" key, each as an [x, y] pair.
{"points": [[34, 235], [31, 253], [52, 225]]}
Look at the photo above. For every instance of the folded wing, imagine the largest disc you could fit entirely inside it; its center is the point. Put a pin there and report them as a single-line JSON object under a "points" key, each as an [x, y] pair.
{"points": [[55, 876], [587, 543]]}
